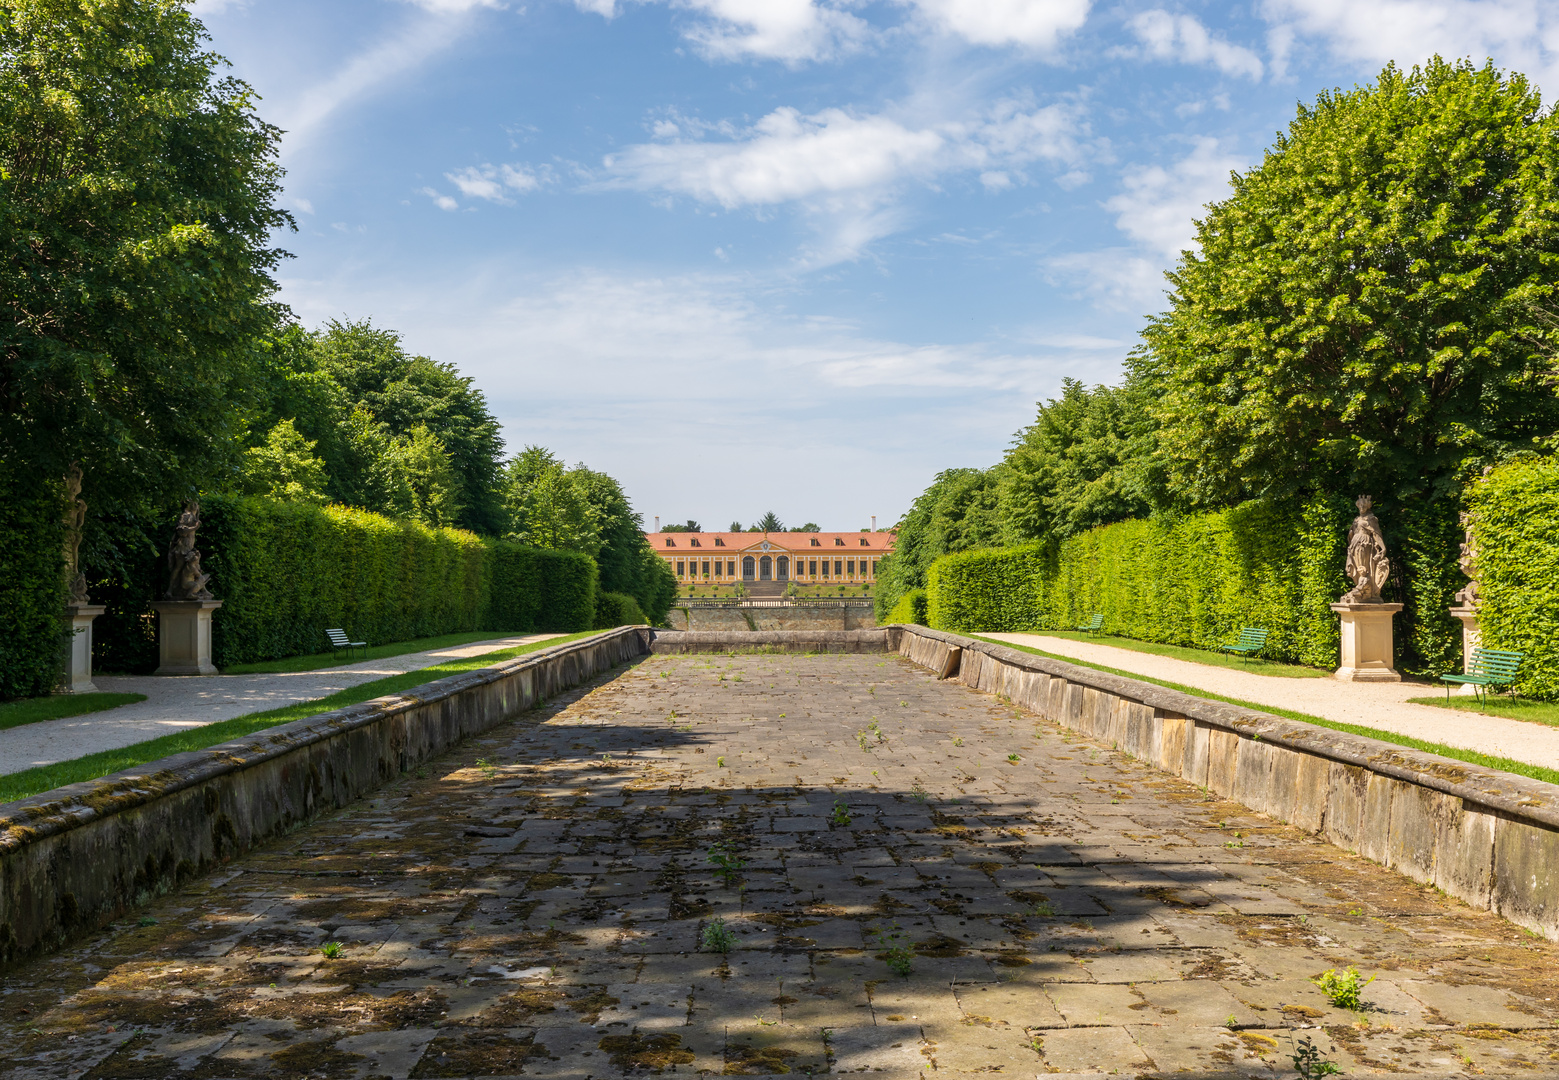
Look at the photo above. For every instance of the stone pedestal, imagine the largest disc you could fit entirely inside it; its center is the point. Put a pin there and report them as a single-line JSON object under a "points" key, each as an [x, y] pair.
{"points": [[1468, 617], [1367, 642], [78, 652], [184, 637]]}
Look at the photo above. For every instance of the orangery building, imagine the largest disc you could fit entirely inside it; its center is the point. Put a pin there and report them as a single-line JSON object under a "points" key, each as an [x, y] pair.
{"points": [[729, 558]]}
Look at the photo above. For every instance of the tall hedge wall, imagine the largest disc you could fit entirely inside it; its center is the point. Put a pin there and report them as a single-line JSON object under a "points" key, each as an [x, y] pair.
{"points": [[1196, 579], [911, 608], [542, 590], [32, 584], [1515, 520]]}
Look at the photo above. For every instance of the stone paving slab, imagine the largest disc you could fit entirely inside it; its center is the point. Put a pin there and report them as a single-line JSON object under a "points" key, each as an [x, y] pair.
{"points": [[538, 904]]}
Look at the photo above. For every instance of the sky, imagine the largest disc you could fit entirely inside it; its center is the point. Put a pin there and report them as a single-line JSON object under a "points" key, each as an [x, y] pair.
{"points": [[788, 255]]}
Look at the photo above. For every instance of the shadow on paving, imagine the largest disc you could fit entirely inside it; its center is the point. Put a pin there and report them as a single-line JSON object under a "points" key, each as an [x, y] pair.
{"points": [[543, 902]]}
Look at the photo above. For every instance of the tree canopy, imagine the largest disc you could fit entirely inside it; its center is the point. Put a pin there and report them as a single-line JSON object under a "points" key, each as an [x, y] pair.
{"points": [[1365, 310], [137, 196]]}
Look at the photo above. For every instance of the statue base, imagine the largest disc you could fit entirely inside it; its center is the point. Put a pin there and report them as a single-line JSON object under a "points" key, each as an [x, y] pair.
{"points": [[184, 637], [1367, 642], [78, 652], [1471, 639]]}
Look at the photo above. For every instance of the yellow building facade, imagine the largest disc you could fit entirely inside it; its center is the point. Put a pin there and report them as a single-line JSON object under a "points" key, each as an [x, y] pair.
{"points": [[726, 558]]}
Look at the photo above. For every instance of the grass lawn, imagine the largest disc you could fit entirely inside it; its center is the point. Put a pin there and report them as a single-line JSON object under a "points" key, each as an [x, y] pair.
{"points": [[316, 661], [19, 785], [1472, 757], [58, 706], [1538, 712], [1196, 656]]}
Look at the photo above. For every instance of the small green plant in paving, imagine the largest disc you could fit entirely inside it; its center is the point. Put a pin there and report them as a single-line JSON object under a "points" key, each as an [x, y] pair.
{"points": [[958, 741], [717, 937], [727, 863], [330, 950], [1343, 987], [918, 793], [841, 815], [864, 741], [1310, 1063], [1043, 909], [897, 950], [1014, 758], [146, 920], [877, 731], [720, 762], [489, 770]]}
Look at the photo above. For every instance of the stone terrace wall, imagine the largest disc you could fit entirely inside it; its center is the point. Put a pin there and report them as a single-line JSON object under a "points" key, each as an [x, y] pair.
{"points": [[76, 857], [856, 614], [1486, 837]]}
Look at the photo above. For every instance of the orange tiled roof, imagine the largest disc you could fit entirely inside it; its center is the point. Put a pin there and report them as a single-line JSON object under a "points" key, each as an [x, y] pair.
{"points": [[782, 541]]}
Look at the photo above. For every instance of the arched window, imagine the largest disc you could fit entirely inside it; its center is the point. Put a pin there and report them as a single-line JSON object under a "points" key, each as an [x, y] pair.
{"points": [[749, 568], [765, 569], [782, 568]]}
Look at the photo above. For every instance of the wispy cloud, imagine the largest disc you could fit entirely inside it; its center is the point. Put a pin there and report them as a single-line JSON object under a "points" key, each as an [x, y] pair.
{"points": [[1033, 24], [1184, 38], [496, 183]]}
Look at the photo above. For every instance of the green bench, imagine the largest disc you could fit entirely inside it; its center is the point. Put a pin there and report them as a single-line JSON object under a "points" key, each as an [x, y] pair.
{"points": [[1252, 640], [1487, 668], [339, 641], [1092, 625]]}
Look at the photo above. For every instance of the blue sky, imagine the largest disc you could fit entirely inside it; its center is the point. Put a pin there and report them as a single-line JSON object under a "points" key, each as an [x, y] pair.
{"points": [[786, 254]]}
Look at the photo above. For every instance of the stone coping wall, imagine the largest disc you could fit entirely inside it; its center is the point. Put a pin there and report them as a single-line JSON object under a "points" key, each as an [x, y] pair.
{"points": [[79, 856], [787, 641], [1488, 838]]}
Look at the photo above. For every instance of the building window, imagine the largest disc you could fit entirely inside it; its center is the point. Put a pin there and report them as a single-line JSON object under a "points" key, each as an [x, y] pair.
{"points": [[680, 570], [838, 568], [864, 543], [670, 542], [706, 567], [694, 542], [850, 567], [874, 568], [721, 543], [812, 567], [730, 568], [782, 568], [749, 568], [825, 567], [838, 541], [816, 542]]}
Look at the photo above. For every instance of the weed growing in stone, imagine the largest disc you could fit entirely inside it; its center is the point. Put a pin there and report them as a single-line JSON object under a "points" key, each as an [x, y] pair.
{"points": [[898, 951], [146, 920], [877, 731], [331, 950], [958, 741], [1043, 909], [1014, 758], [1343, 987], [841, 815], [860, 737], [717, 937], [720, 762], [1232, 1022], [1310, 1063], [918, 793], [727, 863]]}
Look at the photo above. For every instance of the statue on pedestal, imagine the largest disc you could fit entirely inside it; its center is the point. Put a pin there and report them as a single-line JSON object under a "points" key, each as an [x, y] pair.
{"points": [[1468, 597], [75, 520], [1367, 565], [185, 581]]}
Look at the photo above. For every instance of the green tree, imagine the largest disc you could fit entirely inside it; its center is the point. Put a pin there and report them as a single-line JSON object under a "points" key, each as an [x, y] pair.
{"points": [[1090, 458], [1361, 312], [284, 467], [546, 508], [429, 477], [137, 193], [688, 526], [810, 526], [958, 512], [769, 522], [627, 562]]}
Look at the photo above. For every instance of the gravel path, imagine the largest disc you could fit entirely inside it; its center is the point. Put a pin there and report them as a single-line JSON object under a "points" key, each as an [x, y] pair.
{"points": [[1377, 705], [195, 700]]}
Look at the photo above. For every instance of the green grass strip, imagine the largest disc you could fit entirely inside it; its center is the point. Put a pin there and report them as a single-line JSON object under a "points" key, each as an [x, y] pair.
{"points": [[1472, 757], [316, 661], [1193, 655], [59, 706], [19, 785], [1534, 712]]}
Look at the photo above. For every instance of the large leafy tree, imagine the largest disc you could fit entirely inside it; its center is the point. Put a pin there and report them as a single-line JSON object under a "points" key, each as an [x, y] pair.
{"points": [[1364, 311], [137, 192], [958, 512], [1089, 458]]}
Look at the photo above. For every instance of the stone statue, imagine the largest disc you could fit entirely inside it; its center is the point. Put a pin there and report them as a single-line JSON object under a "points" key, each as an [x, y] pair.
{"points": [[185, 581], [1367, 564], [1468, 561], [75, 519]]}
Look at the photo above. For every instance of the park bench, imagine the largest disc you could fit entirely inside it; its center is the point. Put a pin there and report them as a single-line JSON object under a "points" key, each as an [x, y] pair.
{"points": [[1487, 668], [1251, 641], [1093, 625], [339, 641]]}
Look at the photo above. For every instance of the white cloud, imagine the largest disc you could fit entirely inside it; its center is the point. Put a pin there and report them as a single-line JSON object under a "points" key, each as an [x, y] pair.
{"points": [[302, 204], [1159, 206], [605, 8], [1157, 209], [1034, 24], [1519, 34], [453, 7], [788, 30], [443, 202], [494, 182], [1183, 38]]}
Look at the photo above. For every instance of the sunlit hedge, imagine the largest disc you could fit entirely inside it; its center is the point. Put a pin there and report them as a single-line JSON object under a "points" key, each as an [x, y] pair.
{"points": [[911, 608], [1515, 517]]}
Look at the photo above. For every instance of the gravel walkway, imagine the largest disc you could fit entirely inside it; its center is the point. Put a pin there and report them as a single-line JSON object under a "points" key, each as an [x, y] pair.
{"points": [[194, 701], [1377, 705]]}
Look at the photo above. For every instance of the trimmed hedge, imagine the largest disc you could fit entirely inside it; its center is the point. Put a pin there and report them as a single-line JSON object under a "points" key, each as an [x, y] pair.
{"points": [[33, 633], [534, 589], [911, 608], [1515, 522], [1196, 579], [613, 609]]}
